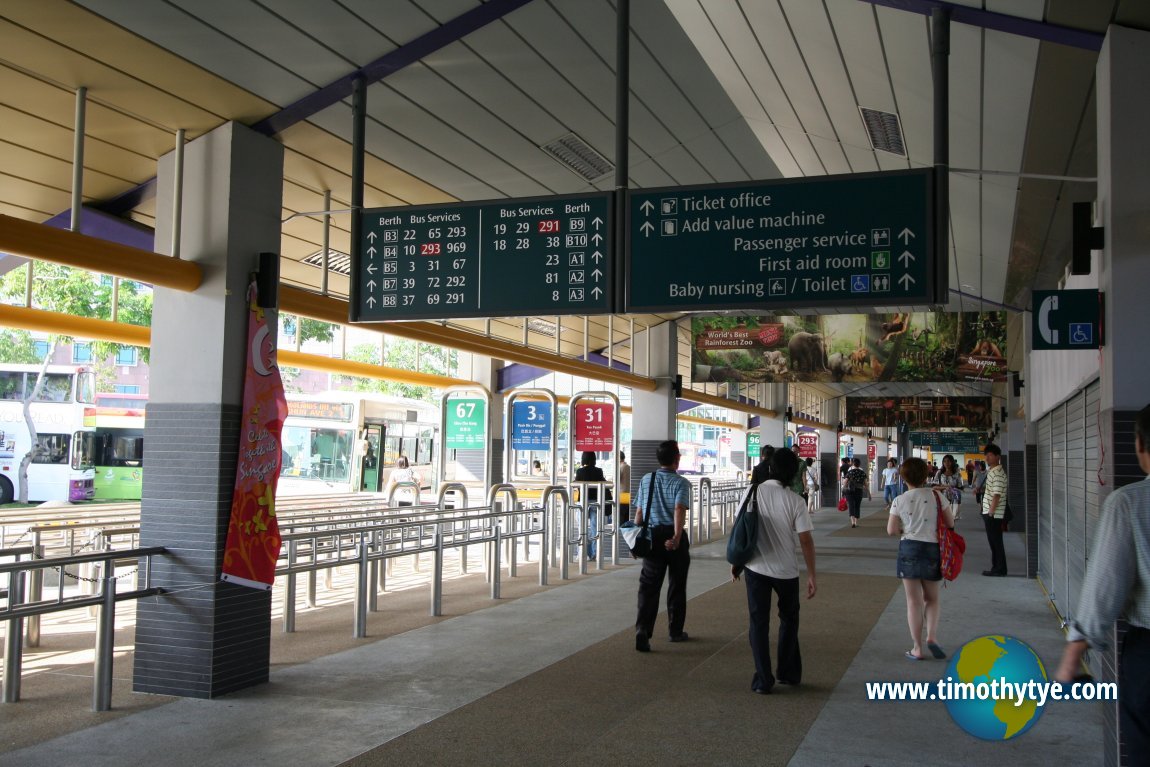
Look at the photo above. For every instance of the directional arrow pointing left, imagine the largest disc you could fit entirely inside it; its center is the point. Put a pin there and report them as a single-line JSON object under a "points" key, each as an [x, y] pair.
{"points": [[371, 268]]}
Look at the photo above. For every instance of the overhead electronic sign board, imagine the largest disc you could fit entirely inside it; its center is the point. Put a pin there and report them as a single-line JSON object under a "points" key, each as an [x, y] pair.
{"points": [[859, 240], [503, 258]]}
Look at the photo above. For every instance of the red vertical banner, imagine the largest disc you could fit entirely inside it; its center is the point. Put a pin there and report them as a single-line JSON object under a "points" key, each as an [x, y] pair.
{"points": [[253, 544], [595, 427], [871, 450]]}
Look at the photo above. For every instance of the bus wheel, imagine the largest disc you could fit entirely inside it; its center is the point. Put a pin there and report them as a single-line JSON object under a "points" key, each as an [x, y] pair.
{"points": [[6, 493]]}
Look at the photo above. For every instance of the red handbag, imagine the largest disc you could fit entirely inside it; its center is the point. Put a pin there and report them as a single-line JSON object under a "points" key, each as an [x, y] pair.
{"points": [[842, 504]]}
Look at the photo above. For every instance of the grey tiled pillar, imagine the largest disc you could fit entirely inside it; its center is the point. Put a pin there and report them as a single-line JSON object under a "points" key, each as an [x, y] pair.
{"points": [[204, 638]]}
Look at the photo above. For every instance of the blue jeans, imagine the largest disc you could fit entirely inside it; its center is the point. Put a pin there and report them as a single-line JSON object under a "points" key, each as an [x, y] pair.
{"points": [[592, 529], [889, 493]]}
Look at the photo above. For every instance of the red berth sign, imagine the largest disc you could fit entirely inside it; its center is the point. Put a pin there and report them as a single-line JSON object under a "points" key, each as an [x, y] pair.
{"points": [[808, 445], [595, 427]]}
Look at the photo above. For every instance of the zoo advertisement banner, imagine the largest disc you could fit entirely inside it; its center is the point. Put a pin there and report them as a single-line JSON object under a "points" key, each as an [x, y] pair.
{"points": [[850, 348], [920, 413], [253, 543]]}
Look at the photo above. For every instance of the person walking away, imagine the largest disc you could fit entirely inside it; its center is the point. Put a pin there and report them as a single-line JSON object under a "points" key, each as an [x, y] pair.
{"points": [[589, 472], [914, 516], [1118, 583], [994, 508], [666, 496], [949, 479], [799, 483], [855, 485], [979, 482], [812, 479], [403, 473], [890, 482], [774, 569], [762, 469], [624, 487]]}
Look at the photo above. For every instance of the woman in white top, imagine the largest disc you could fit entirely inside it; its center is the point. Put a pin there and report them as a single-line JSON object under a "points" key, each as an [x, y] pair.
{"points": [[949, 480], [914, 515], [403, 473], [890, 482]]}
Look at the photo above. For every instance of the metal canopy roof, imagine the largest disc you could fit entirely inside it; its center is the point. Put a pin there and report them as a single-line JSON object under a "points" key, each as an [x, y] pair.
{"points": [[466, 93]]}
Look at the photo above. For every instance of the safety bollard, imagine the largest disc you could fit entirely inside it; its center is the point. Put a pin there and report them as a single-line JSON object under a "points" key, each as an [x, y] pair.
{"points": [[105, 641], [545, 515], [35, 593], [12, 650], [495, 561], [361, 590], [289, 591], [437, 575]]}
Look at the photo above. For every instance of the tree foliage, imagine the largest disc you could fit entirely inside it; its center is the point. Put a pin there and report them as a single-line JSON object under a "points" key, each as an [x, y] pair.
{"points": [[404, 355]]}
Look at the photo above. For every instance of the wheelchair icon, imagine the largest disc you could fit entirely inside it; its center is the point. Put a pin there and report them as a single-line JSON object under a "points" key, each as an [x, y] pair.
{"points": [[1081, 333]]}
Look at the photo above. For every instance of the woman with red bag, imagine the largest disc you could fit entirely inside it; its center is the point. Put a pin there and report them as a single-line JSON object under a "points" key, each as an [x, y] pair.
{"points": [[914, 515]]}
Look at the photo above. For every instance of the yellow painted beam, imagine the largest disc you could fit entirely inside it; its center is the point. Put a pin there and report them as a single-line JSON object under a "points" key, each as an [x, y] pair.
{"points": [[363, 369], [327, 309], [67, 325], [60, 246], [710, 422]]}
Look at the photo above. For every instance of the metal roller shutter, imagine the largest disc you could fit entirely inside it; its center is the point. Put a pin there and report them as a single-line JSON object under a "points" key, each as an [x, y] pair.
{"points": [[1094, 460], [1045, 478], [1057, 582], [1075, 499]]}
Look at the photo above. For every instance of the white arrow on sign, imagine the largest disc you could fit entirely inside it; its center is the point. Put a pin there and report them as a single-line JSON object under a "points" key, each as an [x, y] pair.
{"points": [[597, 256], [371, 284], [647, 228], [370, 301], [371, 251], [596, 291], [371, 268], [906, 281], [598, 222], [906, 258], [647, 207], [906, 234], [597, 238], [596, 274], [371, 236]]}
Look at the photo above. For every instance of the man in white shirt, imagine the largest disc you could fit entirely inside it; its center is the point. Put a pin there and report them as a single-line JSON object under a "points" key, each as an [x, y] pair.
{"points": [[890, 482], [774, 568]]}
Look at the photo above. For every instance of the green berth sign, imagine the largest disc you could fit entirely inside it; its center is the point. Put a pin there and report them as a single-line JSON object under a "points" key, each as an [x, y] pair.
{"points": [[504, 258], [859, 240], [466, 424]]}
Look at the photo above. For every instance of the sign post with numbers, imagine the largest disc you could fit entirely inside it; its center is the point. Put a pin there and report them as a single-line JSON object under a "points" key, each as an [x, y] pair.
{"points": [[504, 258], [858, 240]]}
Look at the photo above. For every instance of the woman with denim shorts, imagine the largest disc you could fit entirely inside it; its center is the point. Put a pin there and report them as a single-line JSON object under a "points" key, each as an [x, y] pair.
{"points": [[914, 516]]}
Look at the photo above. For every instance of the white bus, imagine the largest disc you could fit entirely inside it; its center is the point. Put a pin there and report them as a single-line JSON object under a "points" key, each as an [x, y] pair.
{"points": [[347, 442], [63, 471]]}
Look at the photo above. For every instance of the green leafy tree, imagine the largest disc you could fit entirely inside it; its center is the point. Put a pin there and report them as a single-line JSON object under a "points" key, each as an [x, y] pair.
{"points": [[404, 355], [78, 293], [309, 330]]}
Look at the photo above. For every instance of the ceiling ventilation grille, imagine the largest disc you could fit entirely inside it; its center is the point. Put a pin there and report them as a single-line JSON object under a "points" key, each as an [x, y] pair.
{"points": [[542, 327], [337, 262], [884, 130], [575, 154]]}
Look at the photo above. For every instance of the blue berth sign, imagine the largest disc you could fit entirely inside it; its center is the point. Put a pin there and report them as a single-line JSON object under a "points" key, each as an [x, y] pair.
{"points": [[502, 258], [859, 240]]}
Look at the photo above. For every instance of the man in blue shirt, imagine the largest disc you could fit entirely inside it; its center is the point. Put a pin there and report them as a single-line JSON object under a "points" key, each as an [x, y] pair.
{"points": [[663, 499]]}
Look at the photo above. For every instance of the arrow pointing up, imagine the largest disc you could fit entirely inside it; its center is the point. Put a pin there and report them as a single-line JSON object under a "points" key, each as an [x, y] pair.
{"points": [[371, 236], [370, 301], [596, 291], [597, 275], [597, 238], [906, 258], [647, 207], [371, 251], [598, 222], [906, 280], [597, 256], [371, 284], [906, 235], [647, 228]]}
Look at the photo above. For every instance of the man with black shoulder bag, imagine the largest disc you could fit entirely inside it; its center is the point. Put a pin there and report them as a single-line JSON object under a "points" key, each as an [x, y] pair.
{"points": [[662, 501]]}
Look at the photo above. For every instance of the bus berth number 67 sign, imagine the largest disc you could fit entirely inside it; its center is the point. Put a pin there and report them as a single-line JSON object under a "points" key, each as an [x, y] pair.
{"points": [[594, 427]]}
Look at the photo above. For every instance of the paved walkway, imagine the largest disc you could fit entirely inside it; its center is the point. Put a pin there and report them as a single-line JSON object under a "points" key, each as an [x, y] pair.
{"points": [[337, 707]]}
